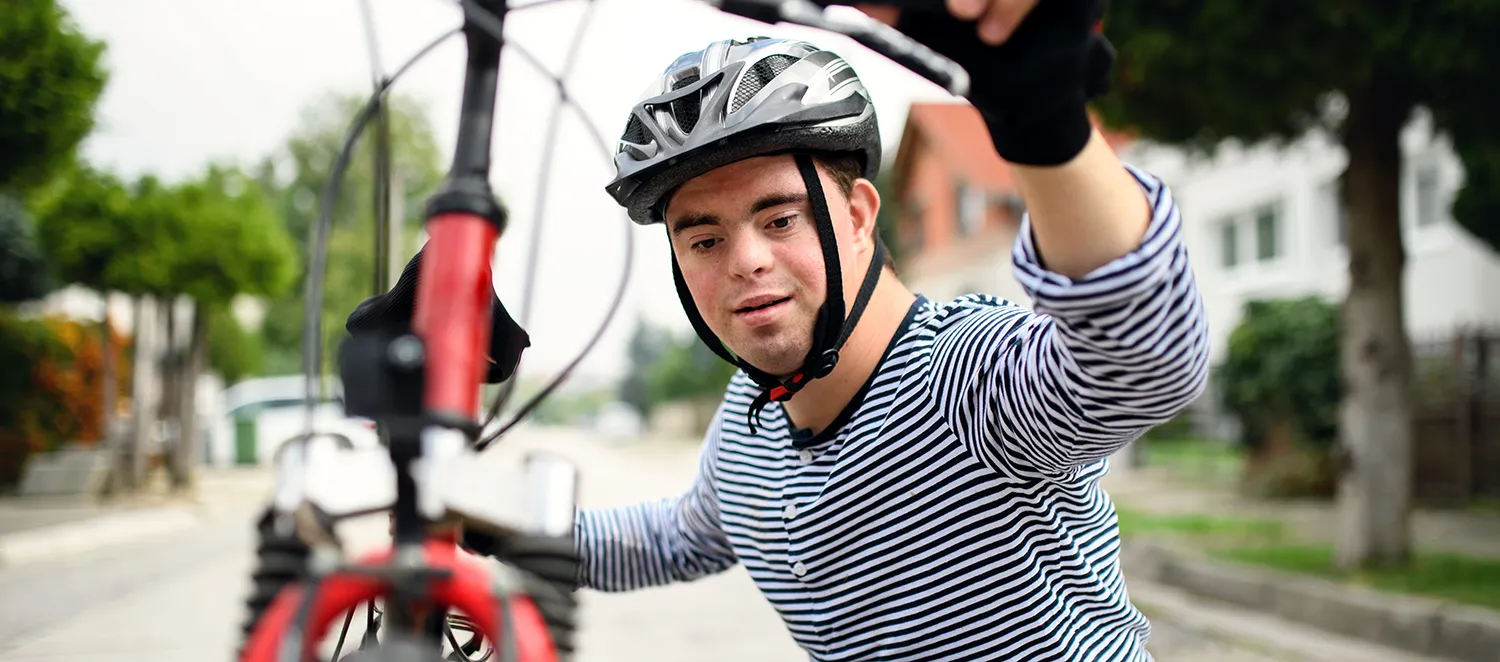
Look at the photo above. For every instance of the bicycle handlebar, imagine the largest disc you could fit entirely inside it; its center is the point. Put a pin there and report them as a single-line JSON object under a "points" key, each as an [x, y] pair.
{"points": [[868, 32]]}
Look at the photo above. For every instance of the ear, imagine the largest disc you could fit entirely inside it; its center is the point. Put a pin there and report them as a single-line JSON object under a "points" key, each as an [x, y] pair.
{"points": [[864, 210]]}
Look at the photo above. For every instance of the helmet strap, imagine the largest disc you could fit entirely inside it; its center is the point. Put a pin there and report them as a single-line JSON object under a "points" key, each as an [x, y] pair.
{"points": [[831, 330]]}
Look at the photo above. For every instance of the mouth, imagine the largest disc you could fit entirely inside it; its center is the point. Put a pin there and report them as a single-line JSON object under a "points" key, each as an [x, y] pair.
{"points": [[762, 310], [761, 303]]}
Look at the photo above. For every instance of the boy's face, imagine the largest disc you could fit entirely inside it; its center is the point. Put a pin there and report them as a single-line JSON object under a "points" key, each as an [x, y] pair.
{"points": [[747, 245]]}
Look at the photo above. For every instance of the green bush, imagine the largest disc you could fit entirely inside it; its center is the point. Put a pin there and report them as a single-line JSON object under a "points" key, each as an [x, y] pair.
{"points": [[1283, 365]]}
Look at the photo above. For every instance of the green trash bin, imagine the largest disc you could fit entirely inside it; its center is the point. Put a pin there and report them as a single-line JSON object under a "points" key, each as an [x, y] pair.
{"points": [[244, 441]]}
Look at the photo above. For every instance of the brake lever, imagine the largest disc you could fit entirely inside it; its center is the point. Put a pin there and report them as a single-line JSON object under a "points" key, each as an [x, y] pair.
{"points": [[868, 32]]}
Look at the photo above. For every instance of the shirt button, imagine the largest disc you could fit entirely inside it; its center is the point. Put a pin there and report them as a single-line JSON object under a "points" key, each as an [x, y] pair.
{"points": [[799, 568], [806, 456], [790, 511]]}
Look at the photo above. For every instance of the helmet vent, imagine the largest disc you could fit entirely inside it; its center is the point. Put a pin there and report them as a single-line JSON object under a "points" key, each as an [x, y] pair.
{"points": [[685, 110], [635, 132], [759, 75]]}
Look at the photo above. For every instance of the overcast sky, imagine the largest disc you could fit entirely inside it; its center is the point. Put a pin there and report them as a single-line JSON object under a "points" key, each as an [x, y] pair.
{"points": [[195, 80]]}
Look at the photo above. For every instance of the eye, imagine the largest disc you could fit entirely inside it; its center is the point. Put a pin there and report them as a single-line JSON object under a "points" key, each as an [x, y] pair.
{"points": [[704, 244], [782, 222]]}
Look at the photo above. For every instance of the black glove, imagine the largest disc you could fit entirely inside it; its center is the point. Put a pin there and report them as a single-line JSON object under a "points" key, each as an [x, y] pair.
{"points": [[552, 565], [1033, 89], [392, 313]]}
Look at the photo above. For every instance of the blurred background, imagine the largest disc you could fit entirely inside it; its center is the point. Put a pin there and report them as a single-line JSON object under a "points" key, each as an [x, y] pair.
{"points": [[1334, 495]]}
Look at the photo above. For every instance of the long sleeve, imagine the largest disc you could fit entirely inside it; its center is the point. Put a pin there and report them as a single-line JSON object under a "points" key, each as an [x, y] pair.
{"points": [[1098, 362], [657, 542]]}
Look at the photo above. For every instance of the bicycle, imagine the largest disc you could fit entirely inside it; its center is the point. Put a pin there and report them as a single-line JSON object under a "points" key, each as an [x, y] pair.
{"points": [[422, 389]]}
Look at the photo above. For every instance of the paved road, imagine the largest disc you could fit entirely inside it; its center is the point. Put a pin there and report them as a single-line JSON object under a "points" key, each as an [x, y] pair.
{"points": [[178, 597]]}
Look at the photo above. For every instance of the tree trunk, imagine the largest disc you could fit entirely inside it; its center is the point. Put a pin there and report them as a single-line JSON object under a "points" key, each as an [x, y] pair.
{"points": [[143, 391], [1375, 354], [108, 384], [192, 367], [171, 395]]}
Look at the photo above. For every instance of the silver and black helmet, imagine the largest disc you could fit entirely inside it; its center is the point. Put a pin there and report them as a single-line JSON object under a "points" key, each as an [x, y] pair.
{"points": [[734, 100]]}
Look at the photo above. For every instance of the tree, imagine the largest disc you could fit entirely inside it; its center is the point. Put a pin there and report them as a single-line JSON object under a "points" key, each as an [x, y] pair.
{"points": [[51, 75], [1280, 377], [198, 219], [23, 270], [208, 239], [647, 345], [1196, 74], [294, 180], [83, 226], [233, 352], [687, 370]]}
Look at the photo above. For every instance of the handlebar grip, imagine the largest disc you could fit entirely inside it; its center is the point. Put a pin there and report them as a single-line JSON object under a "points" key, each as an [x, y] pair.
{"points": [[928, 6], [916, 56], [872, 34]]}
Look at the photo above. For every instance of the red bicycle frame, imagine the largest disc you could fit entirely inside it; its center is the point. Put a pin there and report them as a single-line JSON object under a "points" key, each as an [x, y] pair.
{"points": [[466, 587]]}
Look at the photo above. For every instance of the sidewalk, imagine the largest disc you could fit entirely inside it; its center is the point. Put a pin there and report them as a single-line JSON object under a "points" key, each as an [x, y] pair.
{"points": [[42, 529], [1186, 560]]}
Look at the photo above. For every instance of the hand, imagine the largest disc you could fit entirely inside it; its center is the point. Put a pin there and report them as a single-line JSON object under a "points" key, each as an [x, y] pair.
{"points": [[997, 19]]}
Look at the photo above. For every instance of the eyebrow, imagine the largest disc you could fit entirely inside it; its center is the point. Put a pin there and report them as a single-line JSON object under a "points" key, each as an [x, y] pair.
{"points": [[773, 200]]}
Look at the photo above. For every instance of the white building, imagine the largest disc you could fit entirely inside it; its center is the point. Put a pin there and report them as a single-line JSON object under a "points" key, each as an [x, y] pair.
{"points": [[1267, 223]]}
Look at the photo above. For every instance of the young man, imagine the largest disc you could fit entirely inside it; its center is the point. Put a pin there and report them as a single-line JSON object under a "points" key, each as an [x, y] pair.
{"points": [[907, 479]]}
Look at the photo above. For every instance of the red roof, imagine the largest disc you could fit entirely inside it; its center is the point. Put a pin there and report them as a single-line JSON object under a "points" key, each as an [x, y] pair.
{"points": [[957, 133]]}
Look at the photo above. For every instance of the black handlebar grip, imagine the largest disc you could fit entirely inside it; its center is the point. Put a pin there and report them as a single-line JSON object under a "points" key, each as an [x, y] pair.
{"points": [[931, 6]]}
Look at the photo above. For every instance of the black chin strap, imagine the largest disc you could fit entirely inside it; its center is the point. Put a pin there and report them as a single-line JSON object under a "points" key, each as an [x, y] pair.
{"points": [[831, 330]]}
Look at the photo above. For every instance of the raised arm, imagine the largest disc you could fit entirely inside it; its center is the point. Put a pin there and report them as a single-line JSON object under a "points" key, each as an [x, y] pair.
{"points": [[1106, 354], [657, 542]]}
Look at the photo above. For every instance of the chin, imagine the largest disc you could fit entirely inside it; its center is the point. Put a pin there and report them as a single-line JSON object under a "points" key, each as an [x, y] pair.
{"points": [[780, 361]]}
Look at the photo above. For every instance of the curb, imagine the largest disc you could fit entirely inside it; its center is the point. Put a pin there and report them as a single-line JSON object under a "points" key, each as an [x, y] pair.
{"points": [[1419, 625], [61, 540]]}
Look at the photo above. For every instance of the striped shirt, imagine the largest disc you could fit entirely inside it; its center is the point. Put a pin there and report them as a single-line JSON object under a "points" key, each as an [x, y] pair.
{"points": [[953, 510]]}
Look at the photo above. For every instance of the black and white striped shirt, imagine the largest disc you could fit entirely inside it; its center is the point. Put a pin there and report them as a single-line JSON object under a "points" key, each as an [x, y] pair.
{"points": [[953, 511]]}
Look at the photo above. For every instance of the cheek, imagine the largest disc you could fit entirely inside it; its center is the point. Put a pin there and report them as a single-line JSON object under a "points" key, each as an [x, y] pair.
{"points": [[702, 282], [805, 263]]}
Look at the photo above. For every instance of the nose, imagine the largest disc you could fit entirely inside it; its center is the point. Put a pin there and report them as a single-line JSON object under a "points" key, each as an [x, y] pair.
{"points": [[749, 255]]}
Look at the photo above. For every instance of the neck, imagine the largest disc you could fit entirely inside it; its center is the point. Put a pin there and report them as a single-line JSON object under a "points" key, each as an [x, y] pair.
{"points": [[818, 403]]}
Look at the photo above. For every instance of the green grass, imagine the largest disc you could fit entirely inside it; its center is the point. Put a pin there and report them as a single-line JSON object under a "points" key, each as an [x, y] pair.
{"points": [[1458, 578], [1196, 460], [1207, 528]]}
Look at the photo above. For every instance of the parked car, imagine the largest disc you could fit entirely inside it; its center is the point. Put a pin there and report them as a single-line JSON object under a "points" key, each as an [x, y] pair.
{"points": [[261, 415]]}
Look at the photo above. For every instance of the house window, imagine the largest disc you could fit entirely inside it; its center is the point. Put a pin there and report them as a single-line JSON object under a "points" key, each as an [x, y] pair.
{"points": [[1429, 207], [970, 208], [1229, 243], [1267, 232], [916, 224]]}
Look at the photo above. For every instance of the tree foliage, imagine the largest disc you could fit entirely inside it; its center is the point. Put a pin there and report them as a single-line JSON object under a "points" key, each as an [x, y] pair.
{"points": [[210, 238], [87, 229], [665, 367], [1283, 363], [51, 76], [295, 179], [23, 269], [233, 352], [1198, 73], [647, 345], [233, 245], [687, 370]]}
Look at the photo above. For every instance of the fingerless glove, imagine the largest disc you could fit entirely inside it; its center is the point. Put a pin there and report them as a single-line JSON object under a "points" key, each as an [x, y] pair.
{"points": [[1033, 89]]}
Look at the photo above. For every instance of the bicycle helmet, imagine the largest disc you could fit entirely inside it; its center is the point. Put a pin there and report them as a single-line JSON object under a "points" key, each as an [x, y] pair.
{"points": [[735, 100]]}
